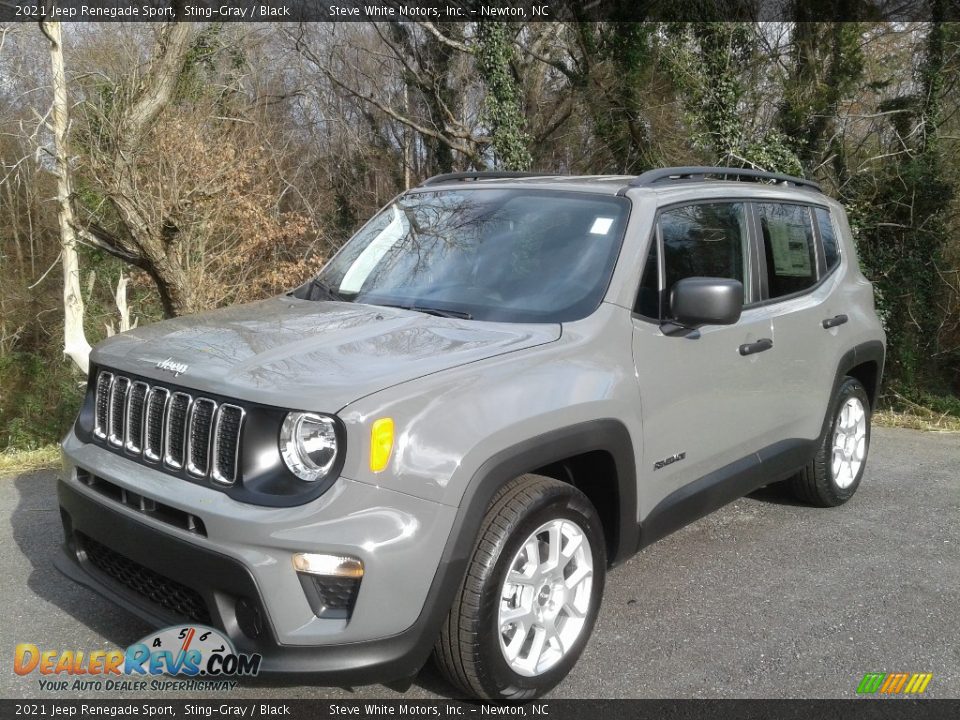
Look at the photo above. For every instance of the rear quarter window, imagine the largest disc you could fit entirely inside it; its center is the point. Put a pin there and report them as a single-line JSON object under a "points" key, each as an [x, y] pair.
{"points": [[828, 237], [788, 244]]}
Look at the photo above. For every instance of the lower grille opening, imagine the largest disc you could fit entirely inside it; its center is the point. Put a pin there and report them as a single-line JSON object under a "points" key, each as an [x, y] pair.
{"points": [[330, 596], [144, 505], [154, 587]]}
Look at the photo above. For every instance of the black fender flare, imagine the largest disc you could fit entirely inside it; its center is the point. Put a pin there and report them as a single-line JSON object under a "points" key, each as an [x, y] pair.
{"points": [[607, 435], [871, 351]]}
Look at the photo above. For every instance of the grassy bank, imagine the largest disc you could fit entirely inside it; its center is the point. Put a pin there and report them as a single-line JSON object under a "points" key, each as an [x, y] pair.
{"points": [[916, 420], [19, 461]]}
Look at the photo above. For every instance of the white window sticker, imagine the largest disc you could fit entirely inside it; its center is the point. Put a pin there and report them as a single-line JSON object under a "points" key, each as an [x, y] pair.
{"points": [[791, 253], [601, 226]]}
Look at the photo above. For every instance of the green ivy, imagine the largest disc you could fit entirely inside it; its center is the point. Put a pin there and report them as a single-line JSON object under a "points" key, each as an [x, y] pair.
{"points": [[900, 215], [827, 64], [503, 110], [705, 62], [619, 114]]}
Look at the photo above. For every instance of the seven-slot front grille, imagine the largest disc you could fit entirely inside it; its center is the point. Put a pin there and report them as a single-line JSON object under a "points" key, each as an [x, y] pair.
{"points": [[169, 427]]}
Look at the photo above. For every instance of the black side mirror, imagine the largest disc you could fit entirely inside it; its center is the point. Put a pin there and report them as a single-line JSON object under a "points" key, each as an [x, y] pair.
{"points": [[698, 301]]}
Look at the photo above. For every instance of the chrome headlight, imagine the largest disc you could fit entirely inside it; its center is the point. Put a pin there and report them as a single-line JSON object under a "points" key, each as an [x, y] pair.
{"points": [[308, 444]]}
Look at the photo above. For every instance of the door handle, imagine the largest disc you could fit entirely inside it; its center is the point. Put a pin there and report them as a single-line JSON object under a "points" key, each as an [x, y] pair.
{"points": [[834, 321], [759, 346]]}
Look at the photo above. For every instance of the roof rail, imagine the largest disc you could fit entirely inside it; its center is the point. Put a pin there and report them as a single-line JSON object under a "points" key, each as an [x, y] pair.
{"points": [[481, 175], [700, 173]]}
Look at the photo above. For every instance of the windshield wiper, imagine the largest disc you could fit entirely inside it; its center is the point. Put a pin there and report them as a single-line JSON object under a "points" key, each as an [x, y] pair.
{"points": [[438, 312], [325, 289]]}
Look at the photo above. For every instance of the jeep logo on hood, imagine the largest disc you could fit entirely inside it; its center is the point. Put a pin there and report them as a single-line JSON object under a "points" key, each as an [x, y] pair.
{"points": [[172, 366]]}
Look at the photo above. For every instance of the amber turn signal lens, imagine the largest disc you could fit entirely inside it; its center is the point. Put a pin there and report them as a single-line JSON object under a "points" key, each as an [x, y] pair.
{"points": [[381, 443]]}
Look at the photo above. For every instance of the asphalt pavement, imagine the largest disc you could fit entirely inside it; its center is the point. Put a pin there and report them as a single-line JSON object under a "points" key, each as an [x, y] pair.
{"points": [[764, 598]]}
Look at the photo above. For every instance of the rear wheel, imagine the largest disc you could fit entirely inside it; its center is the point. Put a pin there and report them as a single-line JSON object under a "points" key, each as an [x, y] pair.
{"points": [[837, 469], [531, 594]]}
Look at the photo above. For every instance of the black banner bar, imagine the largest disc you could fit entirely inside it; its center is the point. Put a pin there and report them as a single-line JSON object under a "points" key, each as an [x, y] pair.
{"points": [[468, 10], [854, 709]]}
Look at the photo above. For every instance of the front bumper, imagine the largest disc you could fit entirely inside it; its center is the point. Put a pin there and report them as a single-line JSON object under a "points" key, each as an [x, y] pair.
{"points": [[242, 568]]}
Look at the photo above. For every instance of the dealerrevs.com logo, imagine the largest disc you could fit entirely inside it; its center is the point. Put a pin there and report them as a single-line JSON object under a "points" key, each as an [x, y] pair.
{"points": [[192, 657]]}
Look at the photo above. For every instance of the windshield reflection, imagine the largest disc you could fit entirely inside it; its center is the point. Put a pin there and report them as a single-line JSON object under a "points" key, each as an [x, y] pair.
{"points": [[506, 255]]}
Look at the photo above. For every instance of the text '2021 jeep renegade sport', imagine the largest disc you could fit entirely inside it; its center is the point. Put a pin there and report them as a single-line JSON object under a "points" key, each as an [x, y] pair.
{"points": [[498, 389]]}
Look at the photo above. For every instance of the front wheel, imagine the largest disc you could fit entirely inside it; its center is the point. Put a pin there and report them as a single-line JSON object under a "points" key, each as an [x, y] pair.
{"points": [[837, 469], [531, 594]]}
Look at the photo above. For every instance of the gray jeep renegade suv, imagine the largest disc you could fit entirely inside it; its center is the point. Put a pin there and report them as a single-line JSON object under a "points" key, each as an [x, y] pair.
{"points": [[499, 388]]}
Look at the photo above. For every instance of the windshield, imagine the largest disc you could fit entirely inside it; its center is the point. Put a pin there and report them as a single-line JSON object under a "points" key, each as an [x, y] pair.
{"points": [[507, 255]]}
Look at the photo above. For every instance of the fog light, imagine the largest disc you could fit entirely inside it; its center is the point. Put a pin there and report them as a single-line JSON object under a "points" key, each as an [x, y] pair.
{"points": [[332, 565], [330, 582]]}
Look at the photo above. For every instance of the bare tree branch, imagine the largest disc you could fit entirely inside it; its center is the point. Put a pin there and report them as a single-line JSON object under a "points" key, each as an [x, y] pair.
{"points": [[450, 42]]}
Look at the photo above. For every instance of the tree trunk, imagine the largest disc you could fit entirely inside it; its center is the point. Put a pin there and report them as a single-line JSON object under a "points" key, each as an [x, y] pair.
{"points": [[144, 242], [75, 345], [502, 105]]}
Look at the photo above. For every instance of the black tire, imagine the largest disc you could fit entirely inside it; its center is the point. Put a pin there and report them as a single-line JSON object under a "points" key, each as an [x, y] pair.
{"points": [[468, 650], [815, 484]]}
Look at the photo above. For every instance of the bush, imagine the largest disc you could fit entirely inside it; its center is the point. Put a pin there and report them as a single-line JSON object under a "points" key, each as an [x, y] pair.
{"points": [[38, 400]]}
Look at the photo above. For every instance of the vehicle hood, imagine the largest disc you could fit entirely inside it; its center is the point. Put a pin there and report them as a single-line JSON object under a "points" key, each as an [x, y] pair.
{"points": [[309, 355]]}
